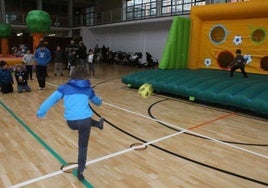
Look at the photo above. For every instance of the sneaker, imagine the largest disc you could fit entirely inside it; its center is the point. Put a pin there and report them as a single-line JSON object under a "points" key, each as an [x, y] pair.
{"points": [[101, 123], [80, 176]]}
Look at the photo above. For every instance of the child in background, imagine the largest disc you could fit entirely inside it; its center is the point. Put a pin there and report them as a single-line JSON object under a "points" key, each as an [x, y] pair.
{"points": [[58, 55], [21, 78], [76, 94], [238, 63], [72, 60], [90, 60], [6, 79], [28, 59], [42, 57]]}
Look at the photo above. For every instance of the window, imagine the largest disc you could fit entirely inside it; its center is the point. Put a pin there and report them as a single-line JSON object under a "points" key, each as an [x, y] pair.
{"points": [[138, 9], [11, 18], [179, 6], [90, 16]]}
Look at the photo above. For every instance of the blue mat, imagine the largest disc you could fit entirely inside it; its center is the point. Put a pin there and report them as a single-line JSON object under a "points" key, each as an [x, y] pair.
{"points": [[208, 85]]}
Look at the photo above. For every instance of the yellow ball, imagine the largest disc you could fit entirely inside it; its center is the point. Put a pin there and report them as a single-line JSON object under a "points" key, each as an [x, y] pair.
{"points": [[145, 90]]}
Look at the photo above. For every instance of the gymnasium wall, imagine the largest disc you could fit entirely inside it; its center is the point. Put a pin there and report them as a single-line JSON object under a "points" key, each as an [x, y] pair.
{"points": [[136, 36], [218, 30]]}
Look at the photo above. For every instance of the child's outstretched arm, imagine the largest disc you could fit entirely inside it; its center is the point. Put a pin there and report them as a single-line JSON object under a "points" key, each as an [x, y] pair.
{"points": [[96, 100], [48, 103]]}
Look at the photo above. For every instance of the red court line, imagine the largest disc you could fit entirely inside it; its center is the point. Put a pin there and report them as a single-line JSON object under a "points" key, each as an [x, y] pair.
{"points": [[211, 121]]}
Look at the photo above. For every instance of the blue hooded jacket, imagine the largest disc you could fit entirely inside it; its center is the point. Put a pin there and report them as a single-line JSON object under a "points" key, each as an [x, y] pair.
{"points": [[43, 57], [76, 95], [6, 76]]}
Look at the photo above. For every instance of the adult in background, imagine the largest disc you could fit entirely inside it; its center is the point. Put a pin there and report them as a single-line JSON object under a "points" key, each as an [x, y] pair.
{"points": [[82, 53], [58, 55], [42, 57]]}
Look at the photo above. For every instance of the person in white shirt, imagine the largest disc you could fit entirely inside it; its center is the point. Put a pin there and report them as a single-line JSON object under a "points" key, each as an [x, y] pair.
{"points": [[28, 59], [90, 60]]}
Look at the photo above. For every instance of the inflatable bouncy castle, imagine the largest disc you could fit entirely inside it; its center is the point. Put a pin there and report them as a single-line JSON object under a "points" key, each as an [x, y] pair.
{"points": [[223, 28], [199, 50]]}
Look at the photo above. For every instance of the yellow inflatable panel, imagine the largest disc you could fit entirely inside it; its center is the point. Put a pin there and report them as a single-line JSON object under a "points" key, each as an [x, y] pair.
{"points": [[219, 29]]}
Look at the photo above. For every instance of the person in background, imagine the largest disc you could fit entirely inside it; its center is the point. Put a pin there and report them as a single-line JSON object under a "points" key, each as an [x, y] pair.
{"points": [[21, 78], [21, 50], [69, 51], [58, 55], [42, 57], [238, 63], [28, 59], [90, 60], [72, 61], [82, 53], [76, 94], [6, 79]]}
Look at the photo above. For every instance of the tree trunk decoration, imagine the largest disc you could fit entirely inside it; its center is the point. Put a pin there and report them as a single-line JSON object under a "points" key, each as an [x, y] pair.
{"points": [[38, 23], [37, 37], [4, 47], [5, 32]]}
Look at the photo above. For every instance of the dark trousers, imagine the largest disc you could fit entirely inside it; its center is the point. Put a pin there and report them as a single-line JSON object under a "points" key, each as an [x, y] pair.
{"points": [[83, 126], [235, 67], [29, 71], [6, 88], [91, 68], [41, 73]]}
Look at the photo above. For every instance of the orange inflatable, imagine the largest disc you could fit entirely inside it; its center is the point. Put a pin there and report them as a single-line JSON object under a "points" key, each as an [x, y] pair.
{"points": [[219, 29]]}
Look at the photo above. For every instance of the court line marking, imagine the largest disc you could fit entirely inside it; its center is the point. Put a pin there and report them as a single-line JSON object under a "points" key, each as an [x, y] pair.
{"points": [[133, 148], [41, 142], [194, 133], [182, 130], [34, 180], [188, 130], [95, 160]]}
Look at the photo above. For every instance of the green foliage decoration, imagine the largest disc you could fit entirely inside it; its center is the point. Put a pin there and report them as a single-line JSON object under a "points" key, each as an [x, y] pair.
{"points": [[38, 21], [5, 30]]}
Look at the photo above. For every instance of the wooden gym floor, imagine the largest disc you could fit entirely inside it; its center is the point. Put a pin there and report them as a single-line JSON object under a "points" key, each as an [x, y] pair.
{"points": [[157, 142]]}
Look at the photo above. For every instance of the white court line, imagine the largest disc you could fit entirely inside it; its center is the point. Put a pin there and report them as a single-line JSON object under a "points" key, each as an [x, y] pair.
{"points": [[184, 130], [34, 180], [188, 131], [135, 147]]}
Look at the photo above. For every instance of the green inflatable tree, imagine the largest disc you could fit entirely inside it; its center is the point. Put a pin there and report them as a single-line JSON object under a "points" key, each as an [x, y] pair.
{"points": [[38, 23], [5, 32]]}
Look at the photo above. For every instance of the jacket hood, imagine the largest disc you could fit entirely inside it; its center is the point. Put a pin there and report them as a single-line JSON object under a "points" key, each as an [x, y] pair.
{"points": [[79, 83]]}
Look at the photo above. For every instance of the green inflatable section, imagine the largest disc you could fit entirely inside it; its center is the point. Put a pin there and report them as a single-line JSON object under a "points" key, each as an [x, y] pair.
{"points": [[211, 86], [175, 55]]}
